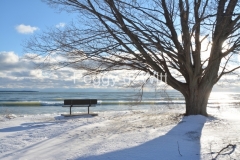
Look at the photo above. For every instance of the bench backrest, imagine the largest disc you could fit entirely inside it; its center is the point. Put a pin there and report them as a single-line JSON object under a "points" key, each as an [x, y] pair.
{"points": [[79, 101]]}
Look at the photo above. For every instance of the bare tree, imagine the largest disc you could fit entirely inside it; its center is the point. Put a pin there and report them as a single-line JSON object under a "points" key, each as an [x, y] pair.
{"points": [[194, 42]]}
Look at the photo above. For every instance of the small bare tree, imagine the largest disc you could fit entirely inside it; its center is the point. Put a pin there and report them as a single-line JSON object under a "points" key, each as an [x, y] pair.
{"points": [[194, 42]]}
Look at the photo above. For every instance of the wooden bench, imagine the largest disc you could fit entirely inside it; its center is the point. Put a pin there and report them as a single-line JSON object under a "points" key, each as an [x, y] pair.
{"points": [[79, 103]]}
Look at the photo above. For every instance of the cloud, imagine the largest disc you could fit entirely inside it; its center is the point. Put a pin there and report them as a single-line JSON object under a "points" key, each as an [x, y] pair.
{"points": [[8, 57], [60, 25], [17, 72], [11, 62], [25, 29]]}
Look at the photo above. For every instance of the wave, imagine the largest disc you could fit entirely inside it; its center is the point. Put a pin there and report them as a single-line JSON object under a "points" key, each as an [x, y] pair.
{"points": [[119, 102], [30, 103]]}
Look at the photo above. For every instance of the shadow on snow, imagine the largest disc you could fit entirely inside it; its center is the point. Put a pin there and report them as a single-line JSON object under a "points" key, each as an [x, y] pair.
{"points": [[182, 139]]}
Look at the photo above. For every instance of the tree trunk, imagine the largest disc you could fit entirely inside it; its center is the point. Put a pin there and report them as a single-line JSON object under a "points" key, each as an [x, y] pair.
{"points": [[197, 100]]}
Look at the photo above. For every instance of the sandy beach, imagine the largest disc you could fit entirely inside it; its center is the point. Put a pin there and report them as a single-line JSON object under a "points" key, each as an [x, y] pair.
{"points": [[145, 134]]}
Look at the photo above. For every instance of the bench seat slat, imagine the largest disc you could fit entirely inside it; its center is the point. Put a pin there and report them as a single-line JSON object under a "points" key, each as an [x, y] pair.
{"points": [[79, 101], [78, 106]]}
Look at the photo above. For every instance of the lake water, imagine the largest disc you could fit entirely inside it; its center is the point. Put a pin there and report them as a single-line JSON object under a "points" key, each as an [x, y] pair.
{"points": [[24, 103]]}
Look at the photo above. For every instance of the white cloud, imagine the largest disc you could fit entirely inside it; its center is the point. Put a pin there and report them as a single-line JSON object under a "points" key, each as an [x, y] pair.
{"points": [[36, 73], [25, 29], [60, 25], [8, 57], [16, 72]]}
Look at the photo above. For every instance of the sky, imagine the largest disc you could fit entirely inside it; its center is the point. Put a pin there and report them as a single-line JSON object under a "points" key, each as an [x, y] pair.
{"points": [[21, 19]]}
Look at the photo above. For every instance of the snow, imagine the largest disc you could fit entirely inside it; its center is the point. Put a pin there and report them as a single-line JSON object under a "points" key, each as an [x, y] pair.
{"points": [[116, 135]]}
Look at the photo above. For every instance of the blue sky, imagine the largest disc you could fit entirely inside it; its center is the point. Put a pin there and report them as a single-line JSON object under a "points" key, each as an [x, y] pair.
{"points": [[27, 13]]}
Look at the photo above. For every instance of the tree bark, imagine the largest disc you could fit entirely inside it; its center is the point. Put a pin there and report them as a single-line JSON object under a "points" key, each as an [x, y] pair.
{"points": [[197, 100]]}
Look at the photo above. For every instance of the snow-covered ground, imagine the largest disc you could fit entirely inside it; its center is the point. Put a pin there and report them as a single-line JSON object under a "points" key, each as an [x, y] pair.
{"points": [[146, 134]]}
